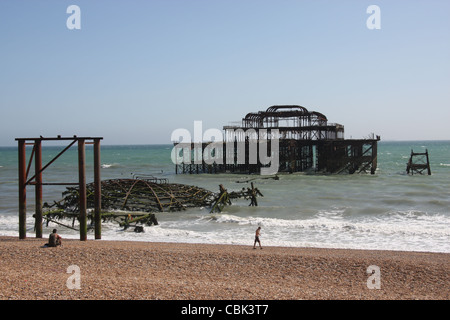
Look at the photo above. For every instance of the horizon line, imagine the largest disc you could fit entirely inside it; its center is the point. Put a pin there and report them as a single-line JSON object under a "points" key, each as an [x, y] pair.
{"points": [[171, 143]]}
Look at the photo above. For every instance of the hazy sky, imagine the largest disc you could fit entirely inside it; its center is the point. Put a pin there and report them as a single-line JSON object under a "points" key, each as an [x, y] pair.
{"points": [[138, 70]]}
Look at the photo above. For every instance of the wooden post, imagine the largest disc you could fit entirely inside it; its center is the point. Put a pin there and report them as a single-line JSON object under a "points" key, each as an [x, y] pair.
{"points": [[22, 190], [374, 157], [38, 188], [428, 163], [82, 189], [97, 190]]}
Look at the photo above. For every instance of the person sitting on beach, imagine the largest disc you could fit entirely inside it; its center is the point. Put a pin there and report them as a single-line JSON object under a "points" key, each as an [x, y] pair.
{"points": [[257, 234], [54, 239]]}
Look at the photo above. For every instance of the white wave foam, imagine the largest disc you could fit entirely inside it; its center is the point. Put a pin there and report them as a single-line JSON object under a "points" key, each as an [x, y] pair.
{"points": [[408, 230], [252, 221], [110, 165], [401, 223]]}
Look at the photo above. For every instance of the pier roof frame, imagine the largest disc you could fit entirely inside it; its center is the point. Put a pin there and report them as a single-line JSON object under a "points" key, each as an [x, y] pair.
{"points": [[294, 121], [276, 113]]}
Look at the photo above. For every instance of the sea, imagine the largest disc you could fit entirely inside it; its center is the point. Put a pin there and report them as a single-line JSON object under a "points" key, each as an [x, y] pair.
{"points": [[390, 210]]}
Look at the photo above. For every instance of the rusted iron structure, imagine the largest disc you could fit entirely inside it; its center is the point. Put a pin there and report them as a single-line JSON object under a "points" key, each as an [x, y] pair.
{"points": [[307, 142], [37, 181], [133, 202], [418, 162], [137, 195]]}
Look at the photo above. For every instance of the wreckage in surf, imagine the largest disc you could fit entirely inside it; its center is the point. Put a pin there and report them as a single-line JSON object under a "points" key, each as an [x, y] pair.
{"points": [[134, 202]]}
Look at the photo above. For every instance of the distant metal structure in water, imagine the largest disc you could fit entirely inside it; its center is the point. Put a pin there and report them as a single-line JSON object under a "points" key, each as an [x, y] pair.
{"points": [[418, 163], [307, 142]]}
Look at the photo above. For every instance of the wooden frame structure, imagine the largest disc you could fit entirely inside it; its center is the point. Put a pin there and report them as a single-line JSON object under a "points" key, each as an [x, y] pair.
{"points": [[37, 181]]}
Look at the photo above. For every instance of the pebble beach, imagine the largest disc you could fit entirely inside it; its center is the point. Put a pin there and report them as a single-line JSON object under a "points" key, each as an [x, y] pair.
{"points": [[126, 270]]}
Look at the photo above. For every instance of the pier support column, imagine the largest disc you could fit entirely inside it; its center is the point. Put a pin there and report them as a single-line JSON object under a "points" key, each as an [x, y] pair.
{"points": [[38, 188], [97, 190], [428, 163], [82, 189], [22, 190]]}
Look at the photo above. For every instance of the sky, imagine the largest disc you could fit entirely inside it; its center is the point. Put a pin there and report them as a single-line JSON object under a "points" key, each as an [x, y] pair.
{"points": [[135, 71]]}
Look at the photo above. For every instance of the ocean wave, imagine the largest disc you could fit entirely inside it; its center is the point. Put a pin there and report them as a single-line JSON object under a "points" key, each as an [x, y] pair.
{"points": [[445, 164], [409, 223], [408, 230], [110, 165], [232, 219]]}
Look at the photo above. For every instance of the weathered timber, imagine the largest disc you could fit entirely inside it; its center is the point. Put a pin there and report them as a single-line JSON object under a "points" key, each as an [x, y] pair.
{"points": [[222, 200], [224, 197]]}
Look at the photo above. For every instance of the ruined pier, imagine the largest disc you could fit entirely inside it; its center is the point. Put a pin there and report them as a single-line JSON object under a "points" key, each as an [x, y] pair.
{"points": [[305, 142]]}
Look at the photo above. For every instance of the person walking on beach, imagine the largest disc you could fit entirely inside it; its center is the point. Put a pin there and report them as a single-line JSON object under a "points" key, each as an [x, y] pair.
{"points": [[54, 239], [257, 234]]}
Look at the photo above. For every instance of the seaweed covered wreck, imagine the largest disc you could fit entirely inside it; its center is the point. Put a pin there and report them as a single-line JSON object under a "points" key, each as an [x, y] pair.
{"points": [[134, 202]]}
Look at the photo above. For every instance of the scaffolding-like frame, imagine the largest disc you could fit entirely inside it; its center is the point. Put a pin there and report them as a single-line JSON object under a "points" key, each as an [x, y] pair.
{"points": [[36, 180]]}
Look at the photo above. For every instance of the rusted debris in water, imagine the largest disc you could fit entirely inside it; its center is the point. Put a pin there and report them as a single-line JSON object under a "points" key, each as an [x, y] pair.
{"points": [[124, 219], [418, 163], [134, 202], [139, 195], [224, 197]]}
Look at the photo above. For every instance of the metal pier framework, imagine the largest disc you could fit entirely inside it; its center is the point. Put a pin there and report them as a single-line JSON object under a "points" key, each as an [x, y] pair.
{"points": [[307, 142], [36, 180]]}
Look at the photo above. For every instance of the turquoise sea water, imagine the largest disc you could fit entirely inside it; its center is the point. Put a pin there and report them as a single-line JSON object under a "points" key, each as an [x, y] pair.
{"points": [[389, 210]]}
